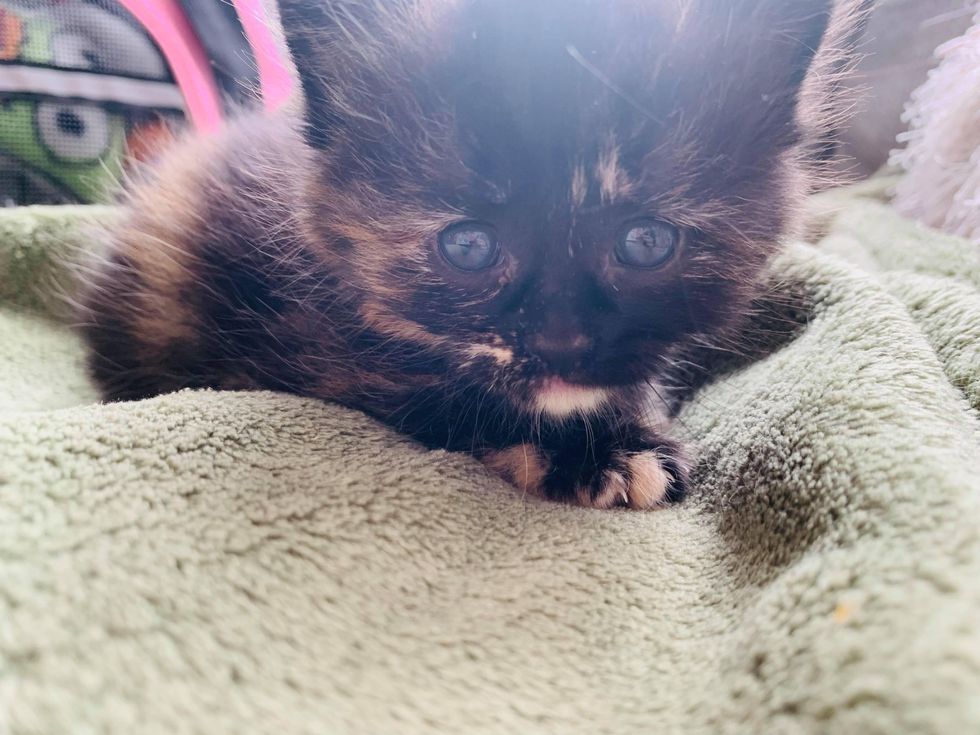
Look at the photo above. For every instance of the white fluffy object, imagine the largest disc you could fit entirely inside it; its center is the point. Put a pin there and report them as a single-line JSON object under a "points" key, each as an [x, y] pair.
{"points": [[941, 157]]}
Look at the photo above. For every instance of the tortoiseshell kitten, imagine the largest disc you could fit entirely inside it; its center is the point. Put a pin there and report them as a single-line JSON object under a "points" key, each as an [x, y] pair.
{"points": [[492, 226]]}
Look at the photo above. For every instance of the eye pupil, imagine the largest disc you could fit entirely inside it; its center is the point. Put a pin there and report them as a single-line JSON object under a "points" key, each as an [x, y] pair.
{"points": [[646, 243], [469, 246], [69, 123]]}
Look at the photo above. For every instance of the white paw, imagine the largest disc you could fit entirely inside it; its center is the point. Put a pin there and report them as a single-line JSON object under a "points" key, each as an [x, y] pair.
{"points": [[640, 482]]}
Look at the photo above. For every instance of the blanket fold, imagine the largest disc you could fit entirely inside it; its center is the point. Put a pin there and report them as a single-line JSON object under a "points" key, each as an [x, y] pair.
{"points": [[211, 562]]}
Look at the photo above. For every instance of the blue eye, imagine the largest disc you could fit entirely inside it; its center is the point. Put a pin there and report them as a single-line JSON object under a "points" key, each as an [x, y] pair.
{"points": [[469, 246], [646, 243]]}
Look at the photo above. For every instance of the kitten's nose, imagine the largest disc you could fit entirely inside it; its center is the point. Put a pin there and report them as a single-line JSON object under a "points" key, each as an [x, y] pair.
{"points": [[564, 354]]}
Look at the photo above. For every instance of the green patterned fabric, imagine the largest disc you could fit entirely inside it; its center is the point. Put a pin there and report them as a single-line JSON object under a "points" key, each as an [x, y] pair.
{"points": [[256, 563]]}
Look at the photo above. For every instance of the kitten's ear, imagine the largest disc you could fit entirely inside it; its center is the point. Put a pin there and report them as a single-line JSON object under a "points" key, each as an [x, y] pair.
{"points": [[790, 31], [792, 36], [824, 101], [339, 49], [777, 63]]}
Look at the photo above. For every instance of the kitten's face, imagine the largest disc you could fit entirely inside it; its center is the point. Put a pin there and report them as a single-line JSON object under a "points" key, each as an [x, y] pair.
{"points": [[551, 196]]}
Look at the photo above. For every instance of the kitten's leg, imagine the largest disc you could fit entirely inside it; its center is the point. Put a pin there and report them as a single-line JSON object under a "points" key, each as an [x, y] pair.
{"points": [[141, 324], [636, 468]]}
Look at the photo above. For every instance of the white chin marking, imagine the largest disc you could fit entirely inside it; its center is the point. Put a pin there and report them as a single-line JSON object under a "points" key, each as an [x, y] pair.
{"points": [[560, 399]]}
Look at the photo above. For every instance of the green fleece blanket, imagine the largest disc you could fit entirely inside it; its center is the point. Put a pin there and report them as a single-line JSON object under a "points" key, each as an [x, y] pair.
{"points": [[213, 562]]}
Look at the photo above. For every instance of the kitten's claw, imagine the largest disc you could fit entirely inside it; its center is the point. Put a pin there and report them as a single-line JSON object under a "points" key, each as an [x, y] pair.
{"points": [[640, 481]]}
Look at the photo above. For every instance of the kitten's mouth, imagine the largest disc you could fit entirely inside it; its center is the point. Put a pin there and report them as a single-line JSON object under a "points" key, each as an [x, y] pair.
{"points": [[559, 398]]}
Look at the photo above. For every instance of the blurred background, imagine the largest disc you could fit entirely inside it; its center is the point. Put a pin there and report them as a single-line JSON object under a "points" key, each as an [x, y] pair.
{"points": [[899, 51], [88, 87]]}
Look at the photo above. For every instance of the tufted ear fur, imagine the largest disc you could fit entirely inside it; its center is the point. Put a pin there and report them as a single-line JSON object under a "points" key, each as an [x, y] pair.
{"points": [[348, 53], [769, 67], [825, 102]]}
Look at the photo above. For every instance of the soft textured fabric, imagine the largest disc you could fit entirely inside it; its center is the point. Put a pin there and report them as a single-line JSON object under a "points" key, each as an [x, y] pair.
{"points": [[215, 563]]}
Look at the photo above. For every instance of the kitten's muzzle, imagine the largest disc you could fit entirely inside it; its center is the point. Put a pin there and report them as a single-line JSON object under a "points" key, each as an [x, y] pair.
{"points": [[564, 355]]}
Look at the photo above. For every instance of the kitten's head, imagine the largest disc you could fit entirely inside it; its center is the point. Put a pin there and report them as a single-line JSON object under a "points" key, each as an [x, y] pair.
{"points": [[553, 195]]}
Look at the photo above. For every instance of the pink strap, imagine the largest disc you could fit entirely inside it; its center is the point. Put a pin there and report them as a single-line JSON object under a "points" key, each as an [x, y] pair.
{"points": [[276, 82], [166, 23]]}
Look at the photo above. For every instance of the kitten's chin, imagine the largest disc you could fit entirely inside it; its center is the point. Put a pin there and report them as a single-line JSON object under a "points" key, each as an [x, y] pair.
{"points": [[560, 399]]}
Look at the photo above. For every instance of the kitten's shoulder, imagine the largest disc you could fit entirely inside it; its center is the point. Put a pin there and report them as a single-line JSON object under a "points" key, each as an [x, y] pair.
{"points": [[196, 236], [256, 160]]}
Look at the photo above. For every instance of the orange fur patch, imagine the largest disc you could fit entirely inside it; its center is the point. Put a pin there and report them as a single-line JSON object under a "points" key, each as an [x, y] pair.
{"points": [[521, 465], [159, 242], [388, 322], [614, 184], [648, 481]]}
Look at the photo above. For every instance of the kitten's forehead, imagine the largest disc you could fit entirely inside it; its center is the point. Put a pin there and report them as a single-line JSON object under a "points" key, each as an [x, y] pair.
{"points": [[543, 64], [537, 91], [581, 90], [554, 102]]}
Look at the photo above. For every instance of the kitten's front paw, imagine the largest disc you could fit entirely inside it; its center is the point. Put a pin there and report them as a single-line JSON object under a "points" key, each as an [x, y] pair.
{"points": [[641, 479]]}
